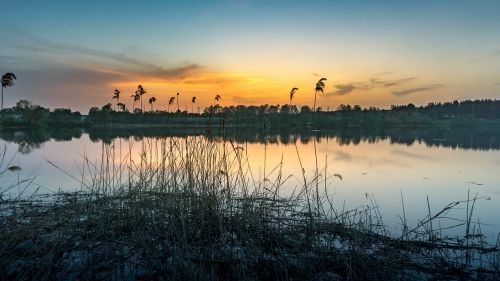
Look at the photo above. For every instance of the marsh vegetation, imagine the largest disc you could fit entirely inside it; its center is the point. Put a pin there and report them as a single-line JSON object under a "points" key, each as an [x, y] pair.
{"points": [[192, 208]]}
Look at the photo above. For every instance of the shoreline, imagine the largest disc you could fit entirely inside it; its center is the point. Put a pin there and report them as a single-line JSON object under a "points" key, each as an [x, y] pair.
{"points": [[87, 236]]}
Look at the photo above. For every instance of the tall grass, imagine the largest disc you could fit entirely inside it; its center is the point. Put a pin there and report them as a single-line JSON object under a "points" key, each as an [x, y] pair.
{"points": [[13, 189], [193, 209]]}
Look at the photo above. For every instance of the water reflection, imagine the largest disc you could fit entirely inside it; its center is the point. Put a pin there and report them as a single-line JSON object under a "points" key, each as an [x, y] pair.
{"points": [[29, 140], [388, 163], [463, 138]]}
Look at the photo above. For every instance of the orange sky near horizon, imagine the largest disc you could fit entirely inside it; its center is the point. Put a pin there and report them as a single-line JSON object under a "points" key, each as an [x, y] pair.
{"points": [[248, 89]]}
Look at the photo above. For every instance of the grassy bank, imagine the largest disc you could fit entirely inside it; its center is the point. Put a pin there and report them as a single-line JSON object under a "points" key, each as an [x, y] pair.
{"points": [[192, 209]]}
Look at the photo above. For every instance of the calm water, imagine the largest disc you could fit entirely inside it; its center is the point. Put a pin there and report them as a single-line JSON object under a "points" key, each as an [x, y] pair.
{"points": [[384, 165]]}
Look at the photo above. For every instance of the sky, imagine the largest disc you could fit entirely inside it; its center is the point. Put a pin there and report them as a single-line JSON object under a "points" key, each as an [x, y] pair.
{"points": [[73, 54]]}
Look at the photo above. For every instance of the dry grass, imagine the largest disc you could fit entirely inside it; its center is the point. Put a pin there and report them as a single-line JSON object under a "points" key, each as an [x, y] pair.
{"points": [[191, 209]]}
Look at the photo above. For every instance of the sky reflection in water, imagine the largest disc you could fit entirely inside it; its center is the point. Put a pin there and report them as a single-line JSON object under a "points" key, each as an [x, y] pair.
{"points": [[381, 168]]}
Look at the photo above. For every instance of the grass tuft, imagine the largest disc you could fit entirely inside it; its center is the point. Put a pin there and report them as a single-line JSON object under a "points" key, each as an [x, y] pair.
{"points": [[191, 209]]}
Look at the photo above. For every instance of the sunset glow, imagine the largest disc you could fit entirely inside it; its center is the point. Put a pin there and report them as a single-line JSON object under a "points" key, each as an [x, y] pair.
{"points": [[251, 52]]}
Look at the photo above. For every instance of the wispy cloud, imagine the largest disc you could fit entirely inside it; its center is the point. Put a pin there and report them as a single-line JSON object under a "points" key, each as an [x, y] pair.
{"points": [[397, 82], [383, 73], [411, 155], [343, 156], [43, 53], [242, 100], [63, 86], [497, 53], [40, 47], [410, 91], [343, 89]]}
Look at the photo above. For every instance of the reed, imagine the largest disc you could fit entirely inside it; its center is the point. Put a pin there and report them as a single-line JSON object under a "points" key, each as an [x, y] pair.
{"points": [[192, 209]]}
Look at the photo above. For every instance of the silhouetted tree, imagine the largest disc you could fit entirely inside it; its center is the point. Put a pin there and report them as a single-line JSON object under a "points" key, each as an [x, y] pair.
{"points": [[121, 106], [31, 114], [178, 109], [320, 87], [151, 101], [193, 101], [214, 109], [7, 81], [305, 109], [140, 91], [170, 102], [273, 109], [285, 109], [292, 94], [93, 110], [136, 98], [107, 107], [116, 95], [343, 107]]}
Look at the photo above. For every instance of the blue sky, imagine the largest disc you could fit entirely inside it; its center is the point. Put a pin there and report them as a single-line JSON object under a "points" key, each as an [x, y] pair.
{"points": [[74, 53]]}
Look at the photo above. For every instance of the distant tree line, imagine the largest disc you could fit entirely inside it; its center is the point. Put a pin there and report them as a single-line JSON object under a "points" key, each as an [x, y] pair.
{"points": [[275, 116], [485, 109], [27, 114]]}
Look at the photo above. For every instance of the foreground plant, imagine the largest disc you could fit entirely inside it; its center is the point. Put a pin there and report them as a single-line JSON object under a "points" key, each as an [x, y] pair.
{"points": [[189, 208]]}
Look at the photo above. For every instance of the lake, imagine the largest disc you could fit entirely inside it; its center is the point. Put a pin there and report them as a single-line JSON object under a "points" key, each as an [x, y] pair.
{"points": [[363, 167]]}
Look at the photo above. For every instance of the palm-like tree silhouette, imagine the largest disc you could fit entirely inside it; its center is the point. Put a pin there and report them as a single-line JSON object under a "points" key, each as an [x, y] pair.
{"points": [[217, 99], [193, 101], [178, 102], [116, 95], [151, 101], [320, 87], [292, 94], [7, 81], [140, 91], [212, 110], [121, 106], [170, 102], [136, 98]]}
